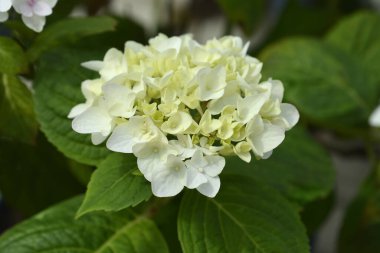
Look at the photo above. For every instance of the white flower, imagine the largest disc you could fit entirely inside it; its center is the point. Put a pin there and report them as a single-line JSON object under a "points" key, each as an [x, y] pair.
{"points": [[249, 107], [180, 107], [203, 172], [263, 137], [169, 178], [374, 119], [119, 100], [151, 155], [91, 89], [93, 120], [33, 12], [211, 83], [113, 64], [5, 6], [177, 123], [138, 129]]}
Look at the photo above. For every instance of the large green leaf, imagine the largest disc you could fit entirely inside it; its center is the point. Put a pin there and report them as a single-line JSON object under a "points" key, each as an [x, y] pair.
{"points": [[115, 185], [359, 35], [299, 168], [327, 85], [69, 30], [245, 216], [34, 176], [55, 230], [57, 90], [12, 57], [16, 110]]}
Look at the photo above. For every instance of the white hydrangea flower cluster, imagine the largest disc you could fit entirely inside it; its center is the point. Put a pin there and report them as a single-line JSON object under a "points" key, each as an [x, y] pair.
{"points": [[33, 12], [180, 107]]}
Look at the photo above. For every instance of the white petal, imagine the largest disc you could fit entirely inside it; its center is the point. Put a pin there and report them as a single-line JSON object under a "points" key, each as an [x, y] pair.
{"points": [[290, 114], [36, 23], [162, 43], [19, 5], [211, 83], [250, 106], [42, 8], [267, 154], [147, 166], [3, 16], [197, 161], [119, 100], [93, 120], [195, 178], [78, 109], [170, 179], [374, 119], [151, 156], [122, 139], [272, 137], [93, 65], [277, 89], [246, 157], [5, 5], [211, 188], [215, 165], [97, 138]]}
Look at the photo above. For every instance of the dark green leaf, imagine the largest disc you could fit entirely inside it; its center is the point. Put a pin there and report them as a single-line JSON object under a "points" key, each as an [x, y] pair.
{"points": [[56, 230], [327, 85], [359, 35], [245, 216], [33, 177], [16, 110], [57, 91], [165, 220], [356, 34], [299, 168], [115, 185], [12, 57], [69, 30]]}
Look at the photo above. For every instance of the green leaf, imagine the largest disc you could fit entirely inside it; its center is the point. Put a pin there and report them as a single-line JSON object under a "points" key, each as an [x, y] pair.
{"points": [[328, 86], [33, 177], [356, 34], [361, 225], [359, 35], [69, 30], [299, 168], [56, 230], [166, 224], [58, 84], [245, 216], [12, 57], [115, 185], [246, 13], [16, 110]]}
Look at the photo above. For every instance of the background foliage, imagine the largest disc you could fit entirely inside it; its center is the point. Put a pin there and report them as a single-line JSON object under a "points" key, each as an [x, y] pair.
{"points": [[330, 70]]}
